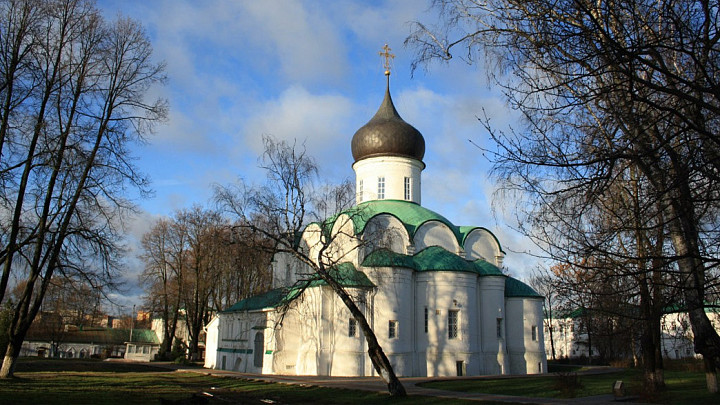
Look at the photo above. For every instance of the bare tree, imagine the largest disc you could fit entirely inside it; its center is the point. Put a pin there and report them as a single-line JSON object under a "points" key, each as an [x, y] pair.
{"points": [[544, 283], [606, 88], [280, 211], [203, 230], [243, 268], [76, 101], [194, 267], [164, 258], [76, 302]]}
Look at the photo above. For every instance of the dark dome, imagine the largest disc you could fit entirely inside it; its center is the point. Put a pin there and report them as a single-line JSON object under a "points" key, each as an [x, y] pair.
{"points": [[386, 134]]}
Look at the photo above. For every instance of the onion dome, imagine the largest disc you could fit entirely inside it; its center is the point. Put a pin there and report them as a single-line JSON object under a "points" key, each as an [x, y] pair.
{"points": [[386, 134]]}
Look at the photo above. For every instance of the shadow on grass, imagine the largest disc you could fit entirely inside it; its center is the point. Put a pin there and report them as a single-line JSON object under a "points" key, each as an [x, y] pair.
{"points": [[64, 388], [33, 365]]}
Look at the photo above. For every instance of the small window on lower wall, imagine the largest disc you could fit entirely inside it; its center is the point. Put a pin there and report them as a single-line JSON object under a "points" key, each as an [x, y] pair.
{"points": [[352, 327], [452, 324], [392, 329], [499, 328], [426, 319]]}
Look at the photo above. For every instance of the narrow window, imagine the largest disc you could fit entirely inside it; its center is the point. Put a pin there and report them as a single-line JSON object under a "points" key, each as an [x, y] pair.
{"points": [[360, 191], [407, 189], [426, 320], [258, 350], [534, 333], [452, 324], [381, 188], [352, 327], [499, 328], [392, 329]]}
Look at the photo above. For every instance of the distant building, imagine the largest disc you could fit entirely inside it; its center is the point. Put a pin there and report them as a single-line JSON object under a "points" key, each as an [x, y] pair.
{"points": [[571, 339], [182, 333], [91, 342]]}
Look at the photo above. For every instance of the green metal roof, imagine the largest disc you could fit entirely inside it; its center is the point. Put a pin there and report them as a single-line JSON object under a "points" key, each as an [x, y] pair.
{"points": [[270, 299], [516, 288], [345, 273], [108, 336], [434, 258], [412, 216], [348, 276]]}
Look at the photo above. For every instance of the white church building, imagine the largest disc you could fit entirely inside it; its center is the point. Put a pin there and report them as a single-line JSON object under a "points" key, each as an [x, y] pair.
{"points": [[432, 291]]}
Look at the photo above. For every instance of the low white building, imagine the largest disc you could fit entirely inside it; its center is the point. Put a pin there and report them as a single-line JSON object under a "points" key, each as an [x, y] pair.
{"points": [[433, 292], [570, 338], [91, 342]]}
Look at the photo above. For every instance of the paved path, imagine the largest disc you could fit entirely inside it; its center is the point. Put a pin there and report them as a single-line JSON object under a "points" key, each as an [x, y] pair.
{"points": [[411, 386]]}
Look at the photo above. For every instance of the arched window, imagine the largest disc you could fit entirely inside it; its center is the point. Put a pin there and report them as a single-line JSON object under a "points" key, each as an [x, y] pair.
{"points": [[259, 349]]}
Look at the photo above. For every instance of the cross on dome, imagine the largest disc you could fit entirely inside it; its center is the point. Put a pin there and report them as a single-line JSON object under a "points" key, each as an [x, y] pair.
{"points": [[387, 56]]}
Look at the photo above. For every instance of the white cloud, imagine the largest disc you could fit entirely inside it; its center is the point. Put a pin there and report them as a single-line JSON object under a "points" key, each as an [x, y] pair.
{"points": [[319, 120], [300, 36]]}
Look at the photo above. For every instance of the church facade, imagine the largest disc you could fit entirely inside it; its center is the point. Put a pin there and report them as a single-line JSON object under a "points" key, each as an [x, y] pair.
{"points": [[432, 291]]}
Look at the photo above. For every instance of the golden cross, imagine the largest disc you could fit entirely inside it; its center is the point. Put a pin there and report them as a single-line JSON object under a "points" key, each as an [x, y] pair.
{"points": [[388, 57]]}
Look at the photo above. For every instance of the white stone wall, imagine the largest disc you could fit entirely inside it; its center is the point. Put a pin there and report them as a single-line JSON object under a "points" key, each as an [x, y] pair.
{"points": [[394, 169], [141, 352], [438, 354], [491, 294], [526, 352], [314, 339], [384, 231], [481, 244], [234, 341], [211, 344], [390, 301], [435, 233]]}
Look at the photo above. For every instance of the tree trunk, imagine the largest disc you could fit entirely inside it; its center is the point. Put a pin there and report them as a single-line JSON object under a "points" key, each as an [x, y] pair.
{"points": [[377, 355], [375, 352], [552, 340], [684, 238], [711, 376], [651, 345], [11, 355]]}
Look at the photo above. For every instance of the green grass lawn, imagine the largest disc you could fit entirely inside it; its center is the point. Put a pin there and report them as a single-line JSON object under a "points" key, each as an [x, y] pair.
{"points": [[94, 382], [66, 382], [683, 387]]}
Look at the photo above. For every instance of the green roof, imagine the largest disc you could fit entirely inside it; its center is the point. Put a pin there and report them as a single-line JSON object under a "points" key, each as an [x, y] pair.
{"points": [[348, 276], [412, 216], [270, 299], [434, 258], [345, 273], [106, 336], [516, 288]]}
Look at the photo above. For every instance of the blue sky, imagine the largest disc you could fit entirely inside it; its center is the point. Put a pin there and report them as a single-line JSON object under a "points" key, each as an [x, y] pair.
{"points": [[306, 70]]}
